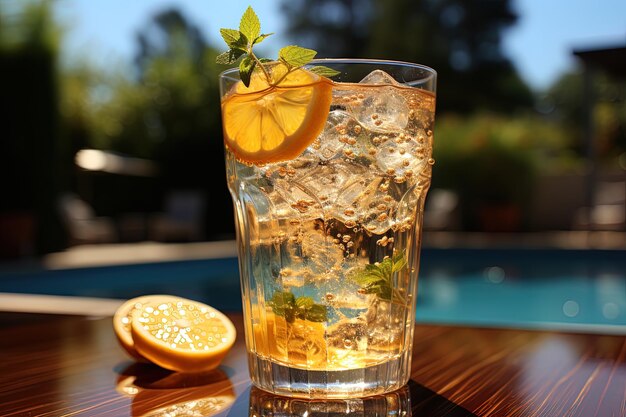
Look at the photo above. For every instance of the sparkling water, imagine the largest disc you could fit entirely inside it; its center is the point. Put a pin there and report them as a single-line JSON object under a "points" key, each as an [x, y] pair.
{"points": [[332, 241]]}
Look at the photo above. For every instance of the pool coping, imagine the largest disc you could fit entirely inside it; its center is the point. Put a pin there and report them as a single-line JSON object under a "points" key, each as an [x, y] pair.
{"points": [[85, 256], [106, 307]]}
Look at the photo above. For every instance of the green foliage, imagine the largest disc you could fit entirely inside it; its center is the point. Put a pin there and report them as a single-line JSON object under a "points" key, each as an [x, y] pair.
{"points": [[166, 108], [235, 39], [335, 28], [285, 304], [174, 98], [323, 71], [31, 27], [32, 147], [296, 56], [242, 41], [492, 160], [460, 39], [250, 26], [246, 66], [377, 278], [565, 101], [545, 144]]}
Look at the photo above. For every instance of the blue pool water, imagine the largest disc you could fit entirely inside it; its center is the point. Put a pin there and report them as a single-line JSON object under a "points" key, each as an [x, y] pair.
{"points": [[522, 288]]}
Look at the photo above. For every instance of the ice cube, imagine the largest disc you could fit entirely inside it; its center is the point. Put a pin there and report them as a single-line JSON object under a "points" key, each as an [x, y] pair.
{"points": [[327, 181], [292, 200], [343, 137], [378, 216], [378, 77], [353, 201], [348, 334], [331, 140], [313, 257], [381, 109], [323, 254], [385, 325], [403, 156]]}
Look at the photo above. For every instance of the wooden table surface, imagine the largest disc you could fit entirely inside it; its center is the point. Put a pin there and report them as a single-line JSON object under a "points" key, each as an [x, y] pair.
{"points": [[53, 365]]}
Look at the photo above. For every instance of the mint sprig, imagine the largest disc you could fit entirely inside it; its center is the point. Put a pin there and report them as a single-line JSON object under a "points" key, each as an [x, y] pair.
{"points": [[377, 278], [240, 43], [285, 304], [296, 56]]}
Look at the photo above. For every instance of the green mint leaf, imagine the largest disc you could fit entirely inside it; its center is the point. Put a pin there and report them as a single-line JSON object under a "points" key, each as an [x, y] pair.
{"points": [[290, 315], [304, 302], [385, 292], [230, 36], [235, 54], [229, 57], [261, 38], [317, 313], [284, 304], [386, 268], [296, 56], [377, 278], [364, 279], [323, 71], [374, 269], [246, 66], [235, 39], [249, 34], [399, 262], [250, 25], [223, 58], [282, 299]]}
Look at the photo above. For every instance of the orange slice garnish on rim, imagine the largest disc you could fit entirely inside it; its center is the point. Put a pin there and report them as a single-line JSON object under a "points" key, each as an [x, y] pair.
{"points": [[271, 123]]}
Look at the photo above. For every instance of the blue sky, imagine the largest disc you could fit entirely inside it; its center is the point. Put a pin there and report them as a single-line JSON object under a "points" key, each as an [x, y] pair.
{"points": [[540, 44]]}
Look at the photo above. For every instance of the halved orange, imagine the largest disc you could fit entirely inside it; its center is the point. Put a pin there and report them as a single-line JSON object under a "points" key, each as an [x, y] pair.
{"points": [[182, 335], [271, 123], [123, 317]]}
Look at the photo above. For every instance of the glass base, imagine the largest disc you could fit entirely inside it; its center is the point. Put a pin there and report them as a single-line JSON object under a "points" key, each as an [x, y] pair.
{"points": [[311, 384], [397, 403]]}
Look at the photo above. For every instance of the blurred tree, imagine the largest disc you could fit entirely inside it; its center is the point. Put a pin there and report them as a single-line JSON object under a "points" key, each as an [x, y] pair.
{"points": [[460, 39], [169, 110], [177, 75], [169, 35], [335, 28], [564, 101], [31, 147], [492, 161]]}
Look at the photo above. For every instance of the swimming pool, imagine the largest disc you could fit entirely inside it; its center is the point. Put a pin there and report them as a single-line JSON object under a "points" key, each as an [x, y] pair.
{"points": [[543, 288]]}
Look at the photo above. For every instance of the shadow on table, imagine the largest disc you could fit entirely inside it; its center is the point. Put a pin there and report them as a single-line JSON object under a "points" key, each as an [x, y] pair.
{"points": [[427, 403]]}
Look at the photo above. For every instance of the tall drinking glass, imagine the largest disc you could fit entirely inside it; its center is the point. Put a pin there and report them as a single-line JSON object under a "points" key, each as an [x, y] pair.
{"points": [[329, 240]]}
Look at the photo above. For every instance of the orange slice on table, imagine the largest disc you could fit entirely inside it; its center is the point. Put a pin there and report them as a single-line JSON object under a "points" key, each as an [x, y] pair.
{"points": [[271, 123], [182, 335], [123, 317]]}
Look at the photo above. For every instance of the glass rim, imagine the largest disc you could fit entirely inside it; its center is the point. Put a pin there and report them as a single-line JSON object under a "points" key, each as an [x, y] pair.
{"points": [[226, 74]]}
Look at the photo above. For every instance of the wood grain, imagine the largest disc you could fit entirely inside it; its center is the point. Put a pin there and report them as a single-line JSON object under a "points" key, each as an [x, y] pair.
{"points": [[495, 372], [72, 366]]}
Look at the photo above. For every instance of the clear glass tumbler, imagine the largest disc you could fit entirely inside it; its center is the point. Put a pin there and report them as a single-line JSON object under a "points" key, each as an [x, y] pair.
{"points": [[329, 240]]}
